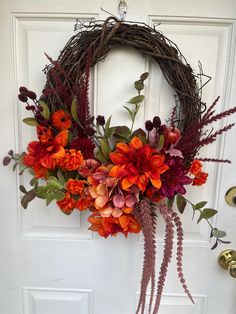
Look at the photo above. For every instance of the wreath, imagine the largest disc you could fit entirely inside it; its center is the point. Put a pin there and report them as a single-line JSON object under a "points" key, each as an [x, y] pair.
{"points": [[125, 177]]}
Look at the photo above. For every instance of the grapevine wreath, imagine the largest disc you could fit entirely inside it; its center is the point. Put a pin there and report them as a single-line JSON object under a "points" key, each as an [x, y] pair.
{"points": [[126, 178]]}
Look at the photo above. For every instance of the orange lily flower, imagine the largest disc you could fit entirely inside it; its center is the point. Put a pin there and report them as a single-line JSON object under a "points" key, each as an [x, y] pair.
{"points": [[42, 157], [137, 164]]}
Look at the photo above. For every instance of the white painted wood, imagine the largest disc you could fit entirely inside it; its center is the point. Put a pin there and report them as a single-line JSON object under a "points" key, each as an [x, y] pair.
{"points": [[51, 263]]}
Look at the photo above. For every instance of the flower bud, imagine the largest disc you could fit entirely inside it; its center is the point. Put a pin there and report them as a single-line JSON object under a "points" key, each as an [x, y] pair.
{"points": [[156, 122], [148, 125], [23, 90], [23, 97], [100, 120], [31, 95]]}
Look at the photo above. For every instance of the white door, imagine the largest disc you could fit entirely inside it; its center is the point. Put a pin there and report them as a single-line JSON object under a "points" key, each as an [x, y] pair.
{"points": [[50, 263]]}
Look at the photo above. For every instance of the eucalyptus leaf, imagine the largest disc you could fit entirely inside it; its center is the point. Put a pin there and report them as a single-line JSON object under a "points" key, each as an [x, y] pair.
{"points": [[170, 202], [144, 76], [122, 131], [61, 177], [45, 110], [53, 182], [49, 199], [22, 189], [6, 160], [30, 121], [218, 233], [200, 205], [58, 195], [181, 203], [42, 192], [99, 155], [139, 85], [136, 99]]}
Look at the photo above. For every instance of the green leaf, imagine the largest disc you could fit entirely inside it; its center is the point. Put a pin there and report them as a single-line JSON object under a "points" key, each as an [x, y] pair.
{"points": [[110, 132], [58, 195], [161, 142], [46, 112], [105, 148], [53, 182], [22, 189], [206, 214], [136, 99], [144, 76], [107, 125], [49, 199], [139, 85], [170, 202], [42, 192], [61, 177], [73, 109], [15, 166], [33, 181], [200, 205], [181, 203], [30, 121], [16, 156], [122, 131], [131, 113], [218, 233], [99, 155]]}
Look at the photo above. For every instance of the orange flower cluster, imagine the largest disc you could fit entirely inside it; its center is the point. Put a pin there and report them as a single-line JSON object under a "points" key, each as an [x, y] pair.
{"points": [[200, 177], [71, 201], [106, 226], [75, 187], [72, 160]]}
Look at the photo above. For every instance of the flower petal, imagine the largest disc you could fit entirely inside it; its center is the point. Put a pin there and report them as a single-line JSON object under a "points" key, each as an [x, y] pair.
{"points": [[123, 147], [118, 200], [117, 158], [156, 182], [136, 143], [100, 201], [61, 138]]}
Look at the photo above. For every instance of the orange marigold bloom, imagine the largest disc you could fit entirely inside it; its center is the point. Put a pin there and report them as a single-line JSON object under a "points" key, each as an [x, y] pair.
{"points": [[61, 120], [200, 179], [137, 164], [72, 160], [84, 202], [75, 187], [196, 167], [67, 204]]}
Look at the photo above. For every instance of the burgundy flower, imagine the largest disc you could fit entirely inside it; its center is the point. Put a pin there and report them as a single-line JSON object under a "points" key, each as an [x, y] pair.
{"points": [[85, 145], [174, 179]]}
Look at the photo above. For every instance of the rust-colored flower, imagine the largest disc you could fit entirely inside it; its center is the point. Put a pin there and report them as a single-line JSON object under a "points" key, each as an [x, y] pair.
{"points": [[72, 160], [196, 167], [61, 120], [137, 164], [67, 204], [75, 187], [200, 178]]}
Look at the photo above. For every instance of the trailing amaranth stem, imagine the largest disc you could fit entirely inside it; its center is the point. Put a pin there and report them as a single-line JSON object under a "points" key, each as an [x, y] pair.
{"points": [[169, 235], [144, 214], [179, 256]]}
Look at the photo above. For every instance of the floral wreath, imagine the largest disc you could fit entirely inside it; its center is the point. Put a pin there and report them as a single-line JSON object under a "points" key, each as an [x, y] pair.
{"points": [[124, 177]]}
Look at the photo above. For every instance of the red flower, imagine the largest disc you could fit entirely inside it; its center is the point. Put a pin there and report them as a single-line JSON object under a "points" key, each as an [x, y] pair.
{"points": [[137, 164], [61, 120], [75, 187], [196, 167], [67, 204], [200, 178]]}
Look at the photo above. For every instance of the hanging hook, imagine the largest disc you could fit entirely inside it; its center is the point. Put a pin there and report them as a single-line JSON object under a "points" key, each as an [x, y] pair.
{"points": [[122, 9]]}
